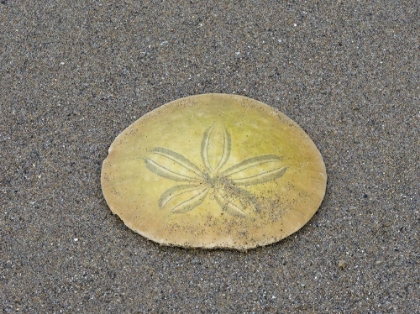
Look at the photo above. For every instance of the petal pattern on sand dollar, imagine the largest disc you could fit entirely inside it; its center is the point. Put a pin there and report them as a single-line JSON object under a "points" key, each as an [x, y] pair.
{"points": [[256, 170], [215, 152], [215, 147], [168, 164]]}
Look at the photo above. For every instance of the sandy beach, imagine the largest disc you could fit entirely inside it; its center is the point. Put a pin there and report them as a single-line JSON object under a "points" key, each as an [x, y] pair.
{"points": [[73, 75]]}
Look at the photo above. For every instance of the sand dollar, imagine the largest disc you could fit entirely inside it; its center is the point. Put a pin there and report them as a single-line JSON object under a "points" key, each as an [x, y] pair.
{"points": [[214, 170]]}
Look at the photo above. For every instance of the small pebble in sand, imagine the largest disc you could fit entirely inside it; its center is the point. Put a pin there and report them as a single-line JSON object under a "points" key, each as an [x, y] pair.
{"points": [[342, 265]]}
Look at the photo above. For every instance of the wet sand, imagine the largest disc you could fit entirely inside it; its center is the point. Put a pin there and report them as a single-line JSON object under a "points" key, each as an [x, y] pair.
{"points": [[73, 75]]}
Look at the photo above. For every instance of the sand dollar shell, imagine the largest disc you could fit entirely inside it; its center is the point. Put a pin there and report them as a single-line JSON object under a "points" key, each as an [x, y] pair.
{"points": [[214, 170]]}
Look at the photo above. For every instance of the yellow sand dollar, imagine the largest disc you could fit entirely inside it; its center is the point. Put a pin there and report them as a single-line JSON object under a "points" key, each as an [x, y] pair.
{"points": [[214, 170]]}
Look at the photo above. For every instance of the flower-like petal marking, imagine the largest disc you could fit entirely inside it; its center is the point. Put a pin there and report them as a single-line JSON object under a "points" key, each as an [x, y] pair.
{"points": [[213, 137], [168, 164], [215, 152], [228, 205], [184, 197], [256, 170], [233, 199]]}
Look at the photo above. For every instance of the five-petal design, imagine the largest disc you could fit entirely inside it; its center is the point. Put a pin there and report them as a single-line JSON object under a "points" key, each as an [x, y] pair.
{"points": [[223, 185]]}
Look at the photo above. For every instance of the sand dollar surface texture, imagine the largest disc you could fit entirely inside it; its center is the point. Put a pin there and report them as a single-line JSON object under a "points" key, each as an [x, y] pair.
{"points": [[214, 171]]}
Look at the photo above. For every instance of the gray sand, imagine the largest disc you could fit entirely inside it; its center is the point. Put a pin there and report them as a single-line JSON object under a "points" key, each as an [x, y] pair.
{"points": [[74, 74]]}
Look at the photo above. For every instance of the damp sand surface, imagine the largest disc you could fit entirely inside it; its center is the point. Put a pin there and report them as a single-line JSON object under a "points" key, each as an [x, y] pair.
{"points": [[73, 75]]}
